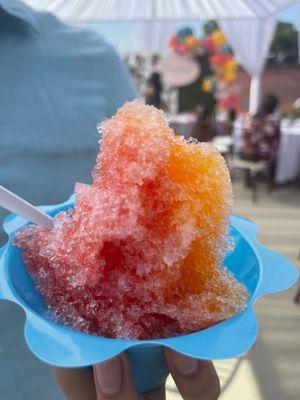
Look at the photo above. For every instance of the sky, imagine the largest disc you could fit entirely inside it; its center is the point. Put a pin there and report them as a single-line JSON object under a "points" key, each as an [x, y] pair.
{"points": [[118, 33]]}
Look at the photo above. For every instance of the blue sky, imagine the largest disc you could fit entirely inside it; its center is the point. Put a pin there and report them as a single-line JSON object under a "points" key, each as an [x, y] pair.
{"points": [[291, 14], [118, 33]]}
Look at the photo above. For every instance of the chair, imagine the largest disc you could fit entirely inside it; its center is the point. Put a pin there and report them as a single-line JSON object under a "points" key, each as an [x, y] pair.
{"points": [[248, 156], [225, 146], [253, 171]]}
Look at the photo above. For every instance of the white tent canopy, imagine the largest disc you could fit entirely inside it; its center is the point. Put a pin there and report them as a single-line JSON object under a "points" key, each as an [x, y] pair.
{"points": [[250, 41], [148, 10], [152, 36], [248, 24]]}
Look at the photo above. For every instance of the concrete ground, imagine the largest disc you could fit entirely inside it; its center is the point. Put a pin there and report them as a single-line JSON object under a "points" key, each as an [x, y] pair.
{"points": [[270, 371]]}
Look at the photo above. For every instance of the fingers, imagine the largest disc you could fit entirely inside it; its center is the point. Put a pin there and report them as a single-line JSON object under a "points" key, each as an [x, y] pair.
{"points": [[157, 394], [195, 379], [76, 383], [114, 381]]}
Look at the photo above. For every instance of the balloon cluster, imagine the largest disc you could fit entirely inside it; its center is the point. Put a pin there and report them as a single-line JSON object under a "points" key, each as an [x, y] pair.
{"points": [[184, 41], [215, 45], [222, 81], [221, 61]]}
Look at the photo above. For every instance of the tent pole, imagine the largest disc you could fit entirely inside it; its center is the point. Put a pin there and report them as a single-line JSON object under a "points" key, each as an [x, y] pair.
{"points": [[255, 94]]}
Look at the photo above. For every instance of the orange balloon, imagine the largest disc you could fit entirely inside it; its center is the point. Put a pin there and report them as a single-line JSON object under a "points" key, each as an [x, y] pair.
{"points": [[219, 38], [229, 77], [192, 42]]}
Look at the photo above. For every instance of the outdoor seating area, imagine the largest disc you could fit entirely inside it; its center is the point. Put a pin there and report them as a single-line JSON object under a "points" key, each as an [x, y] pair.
{"points": [[285, 168]]}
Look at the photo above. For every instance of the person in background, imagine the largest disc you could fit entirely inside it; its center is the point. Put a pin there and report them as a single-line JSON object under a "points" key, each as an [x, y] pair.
{"points": [[262, 132], [153, 91], [229, 122], [203, 130]]}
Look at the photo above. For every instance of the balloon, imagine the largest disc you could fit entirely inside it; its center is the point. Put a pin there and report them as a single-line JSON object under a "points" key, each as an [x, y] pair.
{"points": [[173, 42], [183, 33], [207, 85], [209, 45], [219, 38], [232, 101], [230, 65], [230, 77], [226, 49], [219, 59], [218, 71], [182, 48], [192, 42]]}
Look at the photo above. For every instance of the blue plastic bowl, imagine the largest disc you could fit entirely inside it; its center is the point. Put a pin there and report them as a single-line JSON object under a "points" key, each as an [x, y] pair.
{"points": [[261, 270]]}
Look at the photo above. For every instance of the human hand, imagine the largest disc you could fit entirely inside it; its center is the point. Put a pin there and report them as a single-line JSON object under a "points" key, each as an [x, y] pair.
{"points": [[112, 380]]}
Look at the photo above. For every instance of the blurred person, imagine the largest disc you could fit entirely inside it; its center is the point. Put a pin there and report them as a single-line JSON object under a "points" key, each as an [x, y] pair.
{"points": [[56, 83], [153, 91], [262, 132], [228, 123], [203, 130]]}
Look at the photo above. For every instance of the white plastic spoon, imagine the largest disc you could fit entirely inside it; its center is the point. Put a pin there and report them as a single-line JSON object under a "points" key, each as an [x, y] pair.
{"points": [[21, 207]]}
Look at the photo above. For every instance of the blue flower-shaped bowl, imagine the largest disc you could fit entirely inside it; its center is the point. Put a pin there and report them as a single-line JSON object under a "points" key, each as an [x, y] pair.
{"points": [[261, 270]]}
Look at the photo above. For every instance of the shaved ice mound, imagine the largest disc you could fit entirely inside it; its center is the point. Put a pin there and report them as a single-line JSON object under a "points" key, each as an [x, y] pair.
{"points": [[140, 255]]}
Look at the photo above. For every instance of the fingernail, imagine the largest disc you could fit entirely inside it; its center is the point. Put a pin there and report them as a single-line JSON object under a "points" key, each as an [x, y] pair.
{"points": [[184, 365], [109, 375]]}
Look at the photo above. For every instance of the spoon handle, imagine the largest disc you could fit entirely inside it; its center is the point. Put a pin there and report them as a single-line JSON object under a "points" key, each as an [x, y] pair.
{"points": [[21, 207]]}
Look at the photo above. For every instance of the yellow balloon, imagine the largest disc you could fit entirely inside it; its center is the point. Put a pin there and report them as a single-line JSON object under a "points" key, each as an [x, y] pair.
{"points": [[230, 66], [191, 41], [229, 77], [207, 86], [219, 38], [219, 70]]}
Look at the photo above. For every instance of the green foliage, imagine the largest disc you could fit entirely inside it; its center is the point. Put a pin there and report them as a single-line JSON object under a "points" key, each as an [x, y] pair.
{"points": [[210, 26], [285, 39]]}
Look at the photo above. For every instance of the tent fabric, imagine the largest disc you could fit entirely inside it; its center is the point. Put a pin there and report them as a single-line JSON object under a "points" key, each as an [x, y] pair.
{"points": [[250, 41], [248, 24], [152, 36], [141, 10]]}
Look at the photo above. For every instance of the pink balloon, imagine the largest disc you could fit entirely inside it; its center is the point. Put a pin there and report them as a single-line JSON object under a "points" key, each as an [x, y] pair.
{"points": [[173, 42], [182, 48], [209, 44], [219, 58]]}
